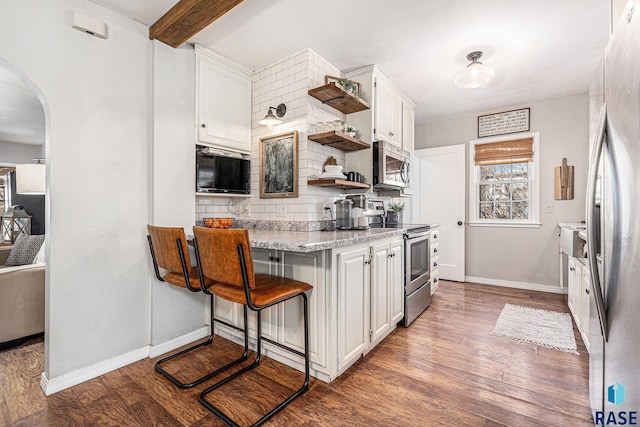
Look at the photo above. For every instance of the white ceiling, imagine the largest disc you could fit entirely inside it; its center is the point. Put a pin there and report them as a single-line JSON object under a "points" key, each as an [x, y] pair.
{"points": [[21, 113], [540, 49]]}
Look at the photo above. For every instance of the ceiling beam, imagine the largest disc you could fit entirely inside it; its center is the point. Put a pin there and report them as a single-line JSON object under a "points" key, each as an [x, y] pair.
{"points": [[187, 18]]}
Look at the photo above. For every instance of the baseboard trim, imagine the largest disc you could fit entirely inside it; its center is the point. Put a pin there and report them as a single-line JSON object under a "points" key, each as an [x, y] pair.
{"points": [[167, 346], [54, 385], [516, 285]]}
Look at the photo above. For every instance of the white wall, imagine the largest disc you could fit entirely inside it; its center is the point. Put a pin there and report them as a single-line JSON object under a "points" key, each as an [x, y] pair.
{"points": [[175, 311], [518, 254], [13, 154], [98, 156]]}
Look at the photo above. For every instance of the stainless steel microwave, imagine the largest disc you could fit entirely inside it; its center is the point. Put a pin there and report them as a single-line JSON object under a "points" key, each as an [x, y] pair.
{"points": [[390, 166], [218, 173]]}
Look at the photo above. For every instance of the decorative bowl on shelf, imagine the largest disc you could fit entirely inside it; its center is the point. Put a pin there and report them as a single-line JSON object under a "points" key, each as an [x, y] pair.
{"points": [[218, 222], [333, 169]]}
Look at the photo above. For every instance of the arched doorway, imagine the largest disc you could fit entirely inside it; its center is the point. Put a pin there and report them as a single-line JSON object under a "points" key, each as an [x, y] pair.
{"points": [[23, 140]]}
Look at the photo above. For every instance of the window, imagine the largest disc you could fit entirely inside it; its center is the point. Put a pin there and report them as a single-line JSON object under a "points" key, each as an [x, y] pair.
{"points": [[505, 181]]}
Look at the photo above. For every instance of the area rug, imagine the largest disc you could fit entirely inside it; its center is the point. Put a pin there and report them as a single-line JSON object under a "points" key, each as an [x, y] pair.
{"points": [[540, 327]]}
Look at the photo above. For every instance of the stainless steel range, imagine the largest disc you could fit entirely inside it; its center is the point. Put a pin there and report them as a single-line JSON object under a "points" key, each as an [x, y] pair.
{"points": [[417, 279]]}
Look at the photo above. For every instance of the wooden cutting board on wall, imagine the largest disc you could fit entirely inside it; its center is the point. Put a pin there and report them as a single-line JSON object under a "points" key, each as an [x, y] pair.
{"points": [[564, 181]]}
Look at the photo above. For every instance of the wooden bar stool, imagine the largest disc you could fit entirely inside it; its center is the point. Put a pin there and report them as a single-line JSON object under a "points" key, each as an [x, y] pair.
{"points": [[169, 251], [225, 257]]}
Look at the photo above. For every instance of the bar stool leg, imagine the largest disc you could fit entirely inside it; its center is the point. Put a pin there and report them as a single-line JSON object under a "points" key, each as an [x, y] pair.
{"points": [[256, 362], [242, 358]]}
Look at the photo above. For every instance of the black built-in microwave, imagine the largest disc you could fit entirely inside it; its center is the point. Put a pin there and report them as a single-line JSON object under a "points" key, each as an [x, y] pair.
{"points": [[220, 173]]}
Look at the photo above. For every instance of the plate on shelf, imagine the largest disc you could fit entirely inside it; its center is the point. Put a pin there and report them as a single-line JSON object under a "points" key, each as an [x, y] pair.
{"points": [[332, 176]]}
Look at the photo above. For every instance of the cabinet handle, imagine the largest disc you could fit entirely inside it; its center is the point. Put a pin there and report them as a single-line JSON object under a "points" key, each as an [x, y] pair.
{"points": [[435, 250], [278, 259], [435, 264], [390, 133], [271, 258], [435, 279], [203, 125], [435, 236], [587, 291], [572, 269]]}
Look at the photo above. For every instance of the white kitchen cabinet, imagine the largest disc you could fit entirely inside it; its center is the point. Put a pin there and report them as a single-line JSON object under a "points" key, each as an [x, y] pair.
{"points": [[375, 293], [356, 300], [387, 288], [388, 112], [380, 295], [434, 247], [396, 277], [283, 323], [353, 287], [574, 286], [309, 267], [223, 95], [391, 117], [579, 295]]}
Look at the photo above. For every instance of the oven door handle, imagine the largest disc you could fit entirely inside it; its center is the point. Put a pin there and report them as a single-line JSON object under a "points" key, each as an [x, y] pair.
{"points": [[416, 235]]}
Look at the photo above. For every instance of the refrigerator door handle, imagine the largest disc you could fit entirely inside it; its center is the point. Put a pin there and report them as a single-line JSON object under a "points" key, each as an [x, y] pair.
{"points": [[592, 227]]}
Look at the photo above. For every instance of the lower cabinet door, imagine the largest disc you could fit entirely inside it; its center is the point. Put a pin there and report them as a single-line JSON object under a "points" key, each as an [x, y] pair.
{"points": [[308, 268], [396, 278], [380, 295], [353, 303]]}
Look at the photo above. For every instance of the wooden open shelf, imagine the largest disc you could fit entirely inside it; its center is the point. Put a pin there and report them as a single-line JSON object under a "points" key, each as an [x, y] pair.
{"points": [[338, 183], [339, 140], [338, 98]]}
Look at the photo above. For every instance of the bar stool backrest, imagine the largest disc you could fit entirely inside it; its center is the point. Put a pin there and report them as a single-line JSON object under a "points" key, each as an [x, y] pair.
{"points": [[165, 248], [218, 249]]}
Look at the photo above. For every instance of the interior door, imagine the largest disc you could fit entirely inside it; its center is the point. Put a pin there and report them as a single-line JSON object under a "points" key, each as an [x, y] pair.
{"points": [[440, 198]]}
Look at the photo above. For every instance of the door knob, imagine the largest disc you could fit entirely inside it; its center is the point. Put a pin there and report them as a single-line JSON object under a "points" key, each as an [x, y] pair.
{"points": [[459, 222]]}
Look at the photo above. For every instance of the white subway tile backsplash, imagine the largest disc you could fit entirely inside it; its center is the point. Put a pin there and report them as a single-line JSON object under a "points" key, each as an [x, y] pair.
{"points": [[276, 68], [288, 80], [289, 63], [283, 74]]}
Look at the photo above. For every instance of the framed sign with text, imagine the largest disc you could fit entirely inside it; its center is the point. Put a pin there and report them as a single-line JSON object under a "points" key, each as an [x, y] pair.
{"points": [[502, 123]]}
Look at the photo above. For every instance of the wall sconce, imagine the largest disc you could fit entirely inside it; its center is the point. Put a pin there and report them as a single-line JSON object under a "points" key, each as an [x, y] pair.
{"points": [[30, 178], [476, 74], [270, 120]]}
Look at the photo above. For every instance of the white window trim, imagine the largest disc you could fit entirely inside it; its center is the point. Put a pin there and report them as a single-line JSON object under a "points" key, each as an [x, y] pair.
{"points": [[534, 195]]}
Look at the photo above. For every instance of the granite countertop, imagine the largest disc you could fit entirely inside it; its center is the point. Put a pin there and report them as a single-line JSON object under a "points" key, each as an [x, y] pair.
{"points": [[310, 241]]}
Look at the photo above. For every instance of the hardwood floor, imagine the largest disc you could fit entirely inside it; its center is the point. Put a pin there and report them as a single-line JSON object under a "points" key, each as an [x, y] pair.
{"points": [[445, 369]]}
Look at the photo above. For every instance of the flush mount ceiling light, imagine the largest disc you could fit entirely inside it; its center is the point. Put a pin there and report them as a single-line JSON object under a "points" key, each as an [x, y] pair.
{"points": [[476, 74], [30, 178], [270, 120]]}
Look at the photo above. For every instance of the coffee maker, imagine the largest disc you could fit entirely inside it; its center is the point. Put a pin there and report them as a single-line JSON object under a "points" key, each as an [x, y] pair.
{"points": [[359, 221]]}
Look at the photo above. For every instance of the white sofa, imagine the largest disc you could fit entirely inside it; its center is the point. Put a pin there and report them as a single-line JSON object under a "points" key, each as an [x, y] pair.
{"points": [[21, 300]]}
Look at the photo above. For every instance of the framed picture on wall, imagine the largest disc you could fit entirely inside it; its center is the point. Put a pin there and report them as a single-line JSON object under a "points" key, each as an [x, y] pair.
{"points": [[279, 166]]}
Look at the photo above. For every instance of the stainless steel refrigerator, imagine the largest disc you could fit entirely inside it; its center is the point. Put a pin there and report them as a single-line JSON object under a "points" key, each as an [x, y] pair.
{"points": [[613, 221]]}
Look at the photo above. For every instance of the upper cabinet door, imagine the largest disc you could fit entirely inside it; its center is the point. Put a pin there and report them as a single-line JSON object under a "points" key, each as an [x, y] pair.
{"points": [[224, 105], [388, 114]]}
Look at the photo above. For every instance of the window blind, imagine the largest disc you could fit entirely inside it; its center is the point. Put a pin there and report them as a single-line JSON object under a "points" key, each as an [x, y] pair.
{"points": [[494, 153]]}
